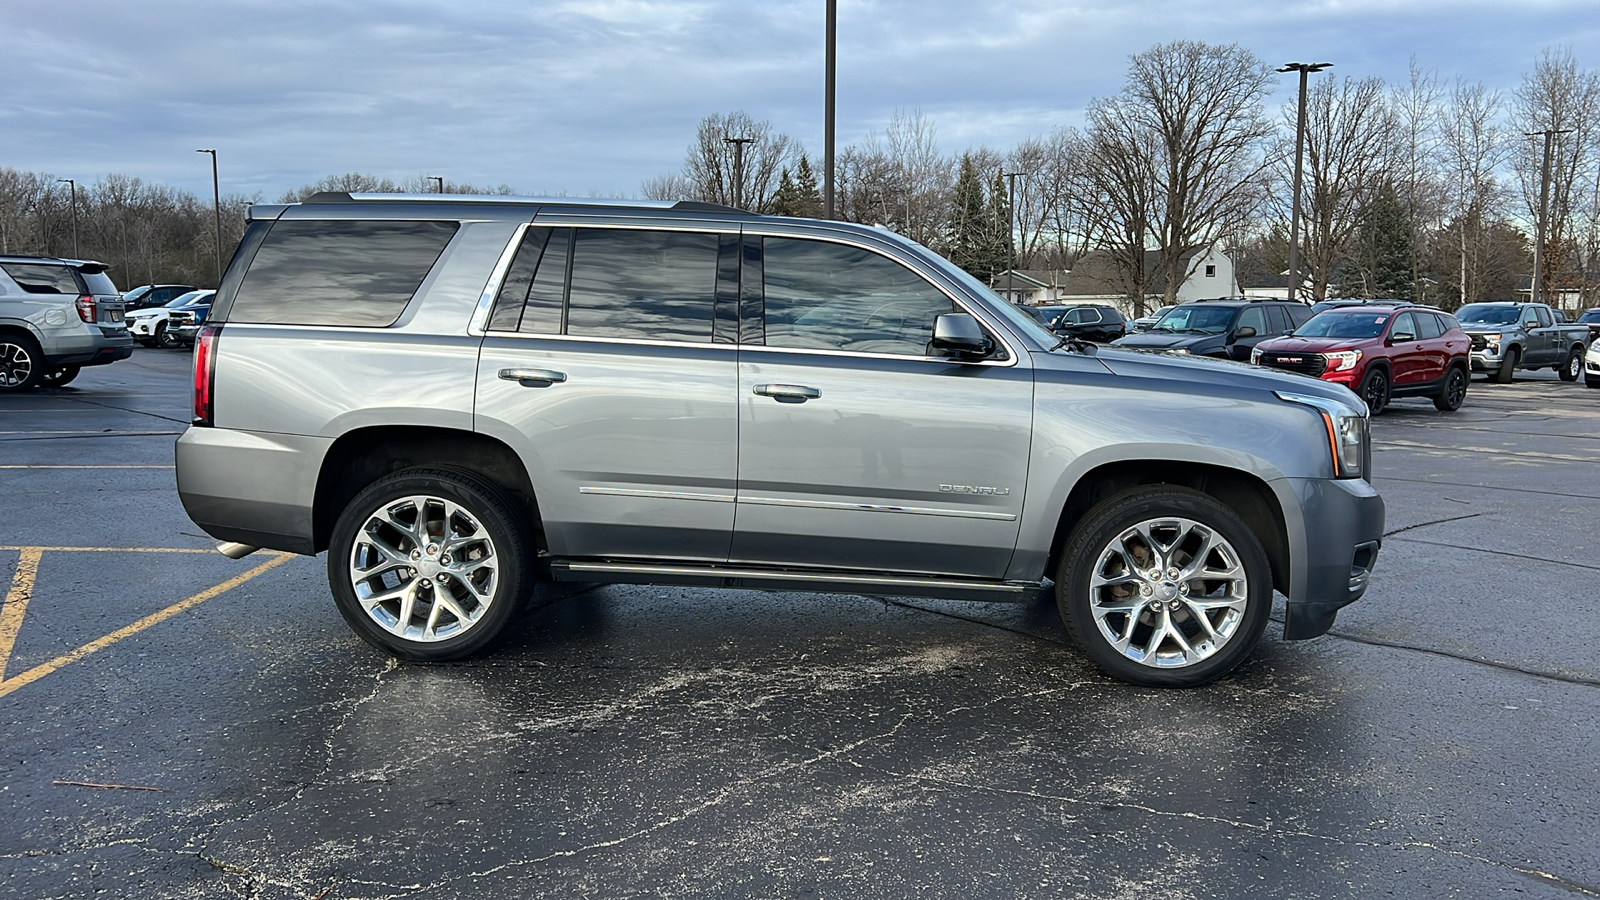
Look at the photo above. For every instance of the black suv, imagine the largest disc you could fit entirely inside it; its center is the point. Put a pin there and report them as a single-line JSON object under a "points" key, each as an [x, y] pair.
{"points": [[1226, 329], [1090, 321]]}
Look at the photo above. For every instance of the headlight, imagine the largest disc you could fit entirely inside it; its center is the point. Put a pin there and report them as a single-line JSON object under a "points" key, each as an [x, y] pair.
{"points": [[1347, 432], [1343, 360], [1255, 356]]}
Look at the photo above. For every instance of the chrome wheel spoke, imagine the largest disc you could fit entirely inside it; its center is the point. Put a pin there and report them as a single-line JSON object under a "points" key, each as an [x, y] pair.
{"points": [[400, 575]]}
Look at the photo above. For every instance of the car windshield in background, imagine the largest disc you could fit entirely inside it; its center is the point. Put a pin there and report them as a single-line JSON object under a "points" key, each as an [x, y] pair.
{"points": [[1486, 314], [188, 299], [1592, 315], [1204, 319], [1344, 325]]}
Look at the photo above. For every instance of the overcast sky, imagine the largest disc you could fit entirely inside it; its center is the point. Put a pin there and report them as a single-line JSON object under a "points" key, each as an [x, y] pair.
{"points": [[596, 96]]}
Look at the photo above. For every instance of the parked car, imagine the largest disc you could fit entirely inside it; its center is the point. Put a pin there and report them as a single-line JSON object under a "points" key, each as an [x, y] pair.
{"points": [[57, 316], [150, 327], [1510, 336], [1591, 318], [1591, 366], [454, 398], [1226, 329], [184, 323], [1047, 315], [1143, 323], [1380, 353], [148, 295], [1096, 322]]}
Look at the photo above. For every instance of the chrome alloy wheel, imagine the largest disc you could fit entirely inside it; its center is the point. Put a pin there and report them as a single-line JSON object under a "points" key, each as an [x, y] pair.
{"points": [[424, 568], [1168, 592], [16, 364]]}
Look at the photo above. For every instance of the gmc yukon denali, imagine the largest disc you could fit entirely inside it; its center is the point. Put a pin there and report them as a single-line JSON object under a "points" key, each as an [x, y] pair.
{"points": [[454, 398]]}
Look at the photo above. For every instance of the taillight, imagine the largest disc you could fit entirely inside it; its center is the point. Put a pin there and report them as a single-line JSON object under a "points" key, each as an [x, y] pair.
{"points": [[86, 310], [205, 373]]}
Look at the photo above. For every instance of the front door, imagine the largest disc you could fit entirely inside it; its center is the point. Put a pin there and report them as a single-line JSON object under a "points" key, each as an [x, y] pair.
{"points": [[603, 368], [857, 449]]}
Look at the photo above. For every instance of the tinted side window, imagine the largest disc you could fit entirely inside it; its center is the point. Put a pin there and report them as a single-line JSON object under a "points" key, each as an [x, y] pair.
{"points": [[1403, 324], [825, 296], [1277, 321], [1449, 322], [643, 285], [351, 273], [36, 278], [534, 290], [1428, 325], [1544, 317], [1254, 317]]}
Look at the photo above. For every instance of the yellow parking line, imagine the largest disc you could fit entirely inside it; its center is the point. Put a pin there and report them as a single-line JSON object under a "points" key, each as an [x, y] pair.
{"points": [[16, 604], [37, 672], [111, 549], [86, 467]]}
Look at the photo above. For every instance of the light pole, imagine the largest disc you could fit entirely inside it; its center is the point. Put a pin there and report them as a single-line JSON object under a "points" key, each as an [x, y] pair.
{"points": [[1011, 233], [74, 186], [738, 167], [216, 207], [439, 180], [827, 115], [1299, 154], [1544, 211]]}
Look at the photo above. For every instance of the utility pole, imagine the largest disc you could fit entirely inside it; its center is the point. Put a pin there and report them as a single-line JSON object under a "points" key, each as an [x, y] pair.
{"points": [[1011, 233], [738, 167], [216, 206], [439, 180], [74, 186], [827, 115], [1299, 156], [1544, 211]]}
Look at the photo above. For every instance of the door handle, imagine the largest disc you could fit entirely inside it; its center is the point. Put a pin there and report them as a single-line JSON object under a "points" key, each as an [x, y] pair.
{"points": [[533, 377], [787, 393]]}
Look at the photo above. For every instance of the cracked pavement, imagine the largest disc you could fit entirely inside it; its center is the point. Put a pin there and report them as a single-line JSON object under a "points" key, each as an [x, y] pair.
{"points": [[677, 742]]}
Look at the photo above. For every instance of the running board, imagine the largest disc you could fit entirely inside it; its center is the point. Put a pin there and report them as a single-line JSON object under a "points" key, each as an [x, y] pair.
{"points": [[788, 580]]}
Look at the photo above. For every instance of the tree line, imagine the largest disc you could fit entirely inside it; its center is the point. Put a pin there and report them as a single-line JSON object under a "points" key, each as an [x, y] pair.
{"points": [[1422, 189]]}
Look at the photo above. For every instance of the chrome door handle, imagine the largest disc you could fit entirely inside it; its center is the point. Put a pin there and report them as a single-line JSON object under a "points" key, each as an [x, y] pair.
{"points": [[533, 377], [791, 393]]}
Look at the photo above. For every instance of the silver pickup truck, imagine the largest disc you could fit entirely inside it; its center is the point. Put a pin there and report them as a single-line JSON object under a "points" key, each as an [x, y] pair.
{"points": [[457, 397], [1511, 336]]}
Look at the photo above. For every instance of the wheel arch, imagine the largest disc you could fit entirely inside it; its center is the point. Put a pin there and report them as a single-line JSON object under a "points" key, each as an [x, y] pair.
{"points": [[1245, 493], [359, 457]]}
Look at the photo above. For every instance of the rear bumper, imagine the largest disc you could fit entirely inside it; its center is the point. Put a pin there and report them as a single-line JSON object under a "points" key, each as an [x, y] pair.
{"points": [[95, 347], [251, 487], [1344, 522]]}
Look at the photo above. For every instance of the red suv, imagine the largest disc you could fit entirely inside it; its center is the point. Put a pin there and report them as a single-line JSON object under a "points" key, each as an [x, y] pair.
{"points": [[1379, 352]]}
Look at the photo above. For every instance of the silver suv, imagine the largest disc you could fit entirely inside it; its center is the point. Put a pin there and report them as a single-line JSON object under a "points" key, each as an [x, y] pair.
{"points": [[56, 316], [457, 397]]}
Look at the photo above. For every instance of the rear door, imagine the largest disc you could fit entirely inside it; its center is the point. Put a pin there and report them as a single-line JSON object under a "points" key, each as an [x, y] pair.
{"points": [[858, 449], [604, 366]]}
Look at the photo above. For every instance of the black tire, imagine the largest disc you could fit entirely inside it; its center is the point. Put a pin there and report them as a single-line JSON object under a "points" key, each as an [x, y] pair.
{"points": [[1454, 392], [495, 521], [1573, 367], [1092, 549], [163, 339], [1375, 389], [1508, 365], [59, 377], [22, 364]]}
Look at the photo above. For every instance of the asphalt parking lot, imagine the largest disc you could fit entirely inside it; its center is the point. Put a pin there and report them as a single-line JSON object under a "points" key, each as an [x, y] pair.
{"points": [[177, 724]]}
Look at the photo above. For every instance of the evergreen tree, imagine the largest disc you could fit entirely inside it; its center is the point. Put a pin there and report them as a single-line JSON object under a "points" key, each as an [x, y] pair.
{"points": [[997, 246], [786, 199], [1386, 249], [967, 232], [810, 199]]}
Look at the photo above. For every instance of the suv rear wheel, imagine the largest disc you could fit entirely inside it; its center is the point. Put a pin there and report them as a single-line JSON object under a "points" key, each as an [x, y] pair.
{"points": [[1573, 367], [59, 377], [1454, 392], [1164, 586], [21, 362], [429, 564]]}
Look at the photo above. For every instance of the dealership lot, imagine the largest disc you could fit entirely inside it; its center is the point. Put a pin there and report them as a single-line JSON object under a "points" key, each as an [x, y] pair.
{"points": [[177, 724]]}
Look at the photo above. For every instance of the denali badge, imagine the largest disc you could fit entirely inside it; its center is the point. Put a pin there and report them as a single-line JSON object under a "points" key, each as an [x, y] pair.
{"points": [[971, 489]]}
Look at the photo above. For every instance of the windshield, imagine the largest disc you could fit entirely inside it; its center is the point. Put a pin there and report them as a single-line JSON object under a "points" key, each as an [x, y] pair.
{"points": [[1487, 314], [1344, 325], [1592, 315], [188, 299], [1204, 319]]}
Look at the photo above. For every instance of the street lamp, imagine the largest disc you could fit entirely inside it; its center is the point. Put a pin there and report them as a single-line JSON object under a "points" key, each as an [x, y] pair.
{"points": [[738, 167], [1011, 233], [1299, 153], [74, 187], [216, 207], [439, 180], [827, 115]]}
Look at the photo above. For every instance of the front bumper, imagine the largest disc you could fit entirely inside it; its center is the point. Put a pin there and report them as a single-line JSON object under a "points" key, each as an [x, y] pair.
{"points": [[1487, 360], [1342, 523]]}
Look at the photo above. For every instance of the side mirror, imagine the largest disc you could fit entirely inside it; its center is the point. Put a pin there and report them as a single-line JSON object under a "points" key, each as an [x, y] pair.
{"points": [[1245, 332], [960, 334], [1401, 337]]}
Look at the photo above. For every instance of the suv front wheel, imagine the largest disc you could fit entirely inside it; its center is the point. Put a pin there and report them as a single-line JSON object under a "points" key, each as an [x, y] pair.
{"points": [[1164, 586], [429, 564]]}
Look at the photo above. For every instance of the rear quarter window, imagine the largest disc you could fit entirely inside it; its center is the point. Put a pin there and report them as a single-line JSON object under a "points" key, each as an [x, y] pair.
{"points": [[338, 272], [42, 278]]}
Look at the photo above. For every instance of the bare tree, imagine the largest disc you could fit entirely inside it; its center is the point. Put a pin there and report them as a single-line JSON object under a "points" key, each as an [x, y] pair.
{"points": [[1559, 97], [737, 174], [1120, 183], [1348, 155], [1473, 145], [1418, 184]]}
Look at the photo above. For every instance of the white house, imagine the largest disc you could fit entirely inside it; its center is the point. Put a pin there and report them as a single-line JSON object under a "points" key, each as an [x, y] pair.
{"points": [[1093, 279]]}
